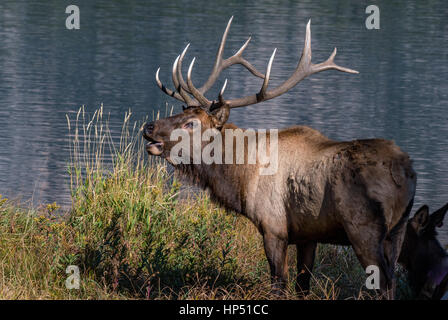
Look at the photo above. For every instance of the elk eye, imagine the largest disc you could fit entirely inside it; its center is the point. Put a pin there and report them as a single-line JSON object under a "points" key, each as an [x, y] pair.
{"points": [[190, 125]]}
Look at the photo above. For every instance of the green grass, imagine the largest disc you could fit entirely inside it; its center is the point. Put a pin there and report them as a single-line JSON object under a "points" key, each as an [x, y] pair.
{"points": [[134, 237]]}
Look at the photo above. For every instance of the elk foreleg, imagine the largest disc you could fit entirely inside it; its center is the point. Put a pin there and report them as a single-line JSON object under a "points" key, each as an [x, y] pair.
{"points": [[305, 262], [276, 253]]}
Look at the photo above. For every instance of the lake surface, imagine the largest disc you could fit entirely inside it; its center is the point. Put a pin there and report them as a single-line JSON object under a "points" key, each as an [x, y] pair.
{"points": [[47, 71]]}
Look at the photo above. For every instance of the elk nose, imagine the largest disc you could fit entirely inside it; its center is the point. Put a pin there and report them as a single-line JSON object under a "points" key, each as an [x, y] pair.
{"points": [[148, 129]]}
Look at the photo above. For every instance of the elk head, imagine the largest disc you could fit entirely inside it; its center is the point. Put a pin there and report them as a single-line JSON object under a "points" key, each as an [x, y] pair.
{"points": [[214, 113], [422, 254]]}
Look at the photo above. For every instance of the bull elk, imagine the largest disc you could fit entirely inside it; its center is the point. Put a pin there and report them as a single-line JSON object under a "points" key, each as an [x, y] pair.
{"points": [[357, 193]]}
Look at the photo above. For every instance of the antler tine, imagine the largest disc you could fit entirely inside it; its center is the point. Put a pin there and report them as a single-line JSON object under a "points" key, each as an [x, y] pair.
{"points": [[220, 97], [222, 44], [188, 100], [305, 59], [329, 64], [194, 91], [218, 61], [268, 74], [237, 58], [166, 90], [221, 64], [304, 69], [179, 70]]}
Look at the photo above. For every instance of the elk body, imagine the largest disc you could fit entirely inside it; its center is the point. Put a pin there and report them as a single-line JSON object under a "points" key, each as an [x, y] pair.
{"points": [[357, 193]]}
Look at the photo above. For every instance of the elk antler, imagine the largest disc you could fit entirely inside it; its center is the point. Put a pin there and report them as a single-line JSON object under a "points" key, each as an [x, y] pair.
{"points": [[184, 89]]}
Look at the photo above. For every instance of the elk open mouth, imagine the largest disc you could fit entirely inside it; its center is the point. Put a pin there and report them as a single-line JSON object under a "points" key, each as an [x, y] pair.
{"points": [[154, 147]]}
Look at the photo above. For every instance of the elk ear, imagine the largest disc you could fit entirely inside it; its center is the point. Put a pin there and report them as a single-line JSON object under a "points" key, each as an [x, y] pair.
{"points": [[420, 220], [438, 216], [220, 116]]}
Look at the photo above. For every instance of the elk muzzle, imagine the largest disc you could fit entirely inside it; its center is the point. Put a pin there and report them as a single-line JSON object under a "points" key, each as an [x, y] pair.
{"points": [[154, 147]]}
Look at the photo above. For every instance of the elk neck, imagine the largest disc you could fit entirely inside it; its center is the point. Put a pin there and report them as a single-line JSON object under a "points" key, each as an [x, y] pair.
{"points": [[229, 184]]}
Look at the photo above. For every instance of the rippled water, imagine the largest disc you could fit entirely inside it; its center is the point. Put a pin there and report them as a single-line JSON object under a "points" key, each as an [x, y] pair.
{"points": [[47, 71]]}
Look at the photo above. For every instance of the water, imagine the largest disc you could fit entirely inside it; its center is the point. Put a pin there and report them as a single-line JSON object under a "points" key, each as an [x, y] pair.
{"points": [[47, 71]]}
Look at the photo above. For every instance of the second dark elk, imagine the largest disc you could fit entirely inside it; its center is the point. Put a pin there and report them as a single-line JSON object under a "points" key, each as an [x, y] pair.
{"points": [[423, 256], [356, 193]]}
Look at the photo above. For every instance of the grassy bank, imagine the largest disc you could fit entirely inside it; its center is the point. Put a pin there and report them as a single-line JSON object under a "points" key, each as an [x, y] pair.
{"points": [[133, 236]]}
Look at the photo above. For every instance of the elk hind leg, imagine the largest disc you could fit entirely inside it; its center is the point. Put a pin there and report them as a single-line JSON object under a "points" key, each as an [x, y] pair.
{"points": [[372, 254], [367, 240], [393, 243]]}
